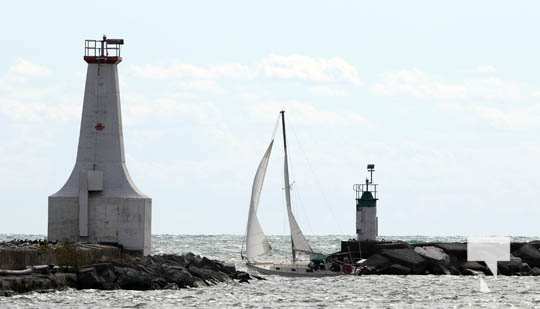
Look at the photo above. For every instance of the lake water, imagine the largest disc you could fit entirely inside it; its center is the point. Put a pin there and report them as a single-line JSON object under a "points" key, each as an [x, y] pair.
{"points": [[279, 292]]}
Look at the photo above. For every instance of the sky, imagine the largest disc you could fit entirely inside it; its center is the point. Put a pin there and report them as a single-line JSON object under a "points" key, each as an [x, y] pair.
{"points": [[443, 97]]}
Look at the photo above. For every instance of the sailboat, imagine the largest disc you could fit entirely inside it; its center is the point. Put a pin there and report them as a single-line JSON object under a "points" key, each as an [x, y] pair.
{"points": [[256, 242]]}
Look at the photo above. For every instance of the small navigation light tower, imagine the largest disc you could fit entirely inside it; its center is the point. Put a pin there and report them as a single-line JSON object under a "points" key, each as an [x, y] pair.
{"points": [[99, 202], [366, 208]]}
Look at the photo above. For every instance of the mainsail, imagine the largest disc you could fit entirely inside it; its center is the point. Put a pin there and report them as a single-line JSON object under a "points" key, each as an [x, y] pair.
{"points": [[256, 242], [299, 241]]}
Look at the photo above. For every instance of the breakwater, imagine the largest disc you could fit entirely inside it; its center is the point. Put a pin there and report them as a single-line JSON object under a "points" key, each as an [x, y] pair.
{"points": [[436, 258], [83, 266]]}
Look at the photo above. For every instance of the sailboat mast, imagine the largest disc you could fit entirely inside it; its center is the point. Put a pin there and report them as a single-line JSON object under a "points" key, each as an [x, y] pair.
{"points": [[286, 176], [284, 133]]}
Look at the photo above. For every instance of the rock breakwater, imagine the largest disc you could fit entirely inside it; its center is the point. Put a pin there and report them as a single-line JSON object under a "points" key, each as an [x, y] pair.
{"points": [[402, 258], [116, 272]]}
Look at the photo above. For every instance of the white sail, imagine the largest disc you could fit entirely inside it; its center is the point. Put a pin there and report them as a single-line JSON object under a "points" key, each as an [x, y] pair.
{"points": [[299, 241], [256, 242]]}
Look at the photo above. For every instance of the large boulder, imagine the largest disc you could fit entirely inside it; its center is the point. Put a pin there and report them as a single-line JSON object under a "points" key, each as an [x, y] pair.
{"points": [[396, 269], [161, 283], [535, 243], [133, 279], [170, 259], [529, 254], [525, 270], [242, 277], [436, 268], [179, 275], [210, 264], [106, 273], [510, 268], [475, 266], [456, 249], [514, 246], [434, 254], [66, 280], [454, 270], [437, 260], [208, 275], [406, 257], [87, 278], [192, 259], [228, 269]]}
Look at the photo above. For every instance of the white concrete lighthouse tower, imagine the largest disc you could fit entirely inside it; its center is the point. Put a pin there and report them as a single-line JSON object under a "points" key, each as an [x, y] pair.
{"points": [[99, 202], [367, 225]]}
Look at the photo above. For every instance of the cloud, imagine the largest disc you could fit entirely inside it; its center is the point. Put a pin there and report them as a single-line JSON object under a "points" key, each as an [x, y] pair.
{"points": [[206, 86], [496, 89], [32, 111], [329, 91], [504, 103], [26, 97], [422, 85], [485, 69], [280, 67], [516, 118], [183, 70], [321, 70], [169, 108], [418, 84], [23, 69], [306, 113]]}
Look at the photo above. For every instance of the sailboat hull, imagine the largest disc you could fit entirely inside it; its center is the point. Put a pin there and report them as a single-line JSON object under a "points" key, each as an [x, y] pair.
{"points": [[290, 270]]}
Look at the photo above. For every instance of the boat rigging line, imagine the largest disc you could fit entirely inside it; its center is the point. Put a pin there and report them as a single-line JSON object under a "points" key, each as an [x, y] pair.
{"points": [[316, 178]]}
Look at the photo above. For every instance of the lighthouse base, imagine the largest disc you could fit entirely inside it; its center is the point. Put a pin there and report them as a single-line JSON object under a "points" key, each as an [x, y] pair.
{"points": [[124, 221]]}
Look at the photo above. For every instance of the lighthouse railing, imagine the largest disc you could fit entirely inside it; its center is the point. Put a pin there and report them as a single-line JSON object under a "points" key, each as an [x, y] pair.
{"points": [[101, 48], [360, 188]]}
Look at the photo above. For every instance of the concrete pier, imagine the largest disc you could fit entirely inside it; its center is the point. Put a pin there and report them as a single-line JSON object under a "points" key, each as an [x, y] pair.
{"points": [[20, 255]]}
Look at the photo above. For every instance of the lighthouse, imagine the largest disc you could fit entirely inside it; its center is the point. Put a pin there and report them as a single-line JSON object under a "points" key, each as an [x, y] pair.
{"points": [[99, 203], [366, 208]]}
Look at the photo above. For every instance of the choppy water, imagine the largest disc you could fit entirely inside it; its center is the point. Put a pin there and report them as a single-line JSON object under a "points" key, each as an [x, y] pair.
{"points": [[278, 292]]}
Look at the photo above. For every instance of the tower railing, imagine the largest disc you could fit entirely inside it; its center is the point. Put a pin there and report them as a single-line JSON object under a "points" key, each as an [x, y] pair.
{"points": [[102, 48], [360, 188]]}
